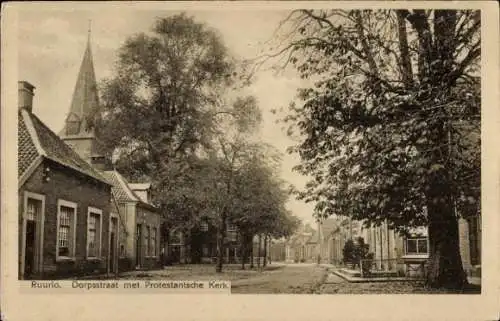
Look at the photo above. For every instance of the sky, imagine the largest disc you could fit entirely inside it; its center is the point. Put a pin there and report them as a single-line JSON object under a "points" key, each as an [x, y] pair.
{"points": [[51, 44]]}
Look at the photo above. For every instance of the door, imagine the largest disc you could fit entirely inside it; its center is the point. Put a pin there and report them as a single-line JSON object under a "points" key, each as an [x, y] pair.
{"points": [[32, 238], [29, 258], [138, 245]]}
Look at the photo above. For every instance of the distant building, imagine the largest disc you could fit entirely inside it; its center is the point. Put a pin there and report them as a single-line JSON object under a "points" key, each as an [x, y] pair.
{"points": [[302, 246], [66, 225], [393, 251], [199, 244]]}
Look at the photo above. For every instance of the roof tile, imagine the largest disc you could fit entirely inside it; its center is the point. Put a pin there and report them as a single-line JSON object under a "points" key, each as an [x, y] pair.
{"points": [[53, 146], [27, 152]]}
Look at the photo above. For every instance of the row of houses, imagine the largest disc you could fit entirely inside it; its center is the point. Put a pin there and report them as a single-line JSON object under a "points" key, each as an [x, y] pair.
{"points": [[391, 250], [77, 214]]}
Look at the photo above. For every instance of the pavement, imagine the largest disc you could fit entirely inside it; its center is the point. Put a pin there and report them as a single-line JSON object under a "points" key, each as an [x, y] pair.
{"points": [[294, 278]]}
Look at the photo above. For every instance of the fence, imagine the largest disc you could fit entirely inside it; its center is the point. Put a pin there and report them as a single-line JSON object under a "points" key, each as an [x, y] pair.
{"points": [[392, 268]]}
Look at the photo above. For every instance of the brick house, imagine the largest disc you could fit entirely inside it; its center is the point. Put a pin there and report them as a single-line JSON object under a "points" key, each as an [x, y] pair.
{"points": [[65, 221], [139, 246]]}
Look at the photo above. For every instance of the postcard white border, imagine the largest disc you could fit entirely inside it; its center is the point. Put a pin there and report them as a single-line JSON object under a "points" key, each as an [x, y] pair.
{"points": [[17, 306]]}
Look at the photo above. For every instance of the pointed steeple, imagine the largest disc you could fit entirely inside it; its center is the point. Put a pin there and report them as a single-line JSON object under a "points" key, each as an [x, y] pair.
{"points": [[85, 99], [79, 131]]}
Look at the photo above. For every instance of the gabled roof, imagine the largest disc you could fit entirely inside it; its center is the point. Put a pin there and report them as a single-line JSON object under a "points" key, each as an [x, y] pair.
{"points": [[35, 140], [121, 189]]}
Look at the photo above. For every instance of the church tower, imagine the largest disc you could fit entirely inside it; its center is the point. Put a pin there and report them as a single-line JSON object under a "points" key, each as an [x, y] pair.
{"points": [[79, 130]]}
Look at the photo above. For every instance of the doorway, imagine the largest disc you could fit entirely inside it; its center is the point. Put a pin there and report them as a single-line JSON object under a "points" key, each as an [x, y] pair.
{"points": [[33, 237], [29, 257]]}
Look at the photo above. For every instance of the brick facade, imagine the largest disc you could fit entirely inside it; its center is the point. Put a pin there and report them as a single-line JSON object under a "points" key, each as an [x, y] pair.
{"points": [[68, 185], [148, 220]]}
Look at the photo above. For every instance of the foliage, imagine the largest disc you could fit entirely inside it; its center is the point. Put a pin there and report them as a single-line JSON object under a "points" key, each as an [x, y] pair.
{"points": [[348, 252], [389, 130], [162, 109], [355, 251]]}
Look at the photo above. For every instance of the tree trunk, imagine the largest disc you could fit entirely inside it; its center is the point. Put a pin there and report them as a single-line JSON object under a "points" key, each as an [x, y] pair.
{"points": [[264, 263], [259, 251], [445, 264], [243, 251], [251, 252], [220, 244]]}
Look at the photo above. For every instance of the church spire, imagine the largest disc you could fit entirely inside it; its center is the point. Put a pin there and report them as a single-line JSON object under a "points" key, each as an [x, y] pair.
{"points": [[89, 31], [80, 130], [85, 100]]}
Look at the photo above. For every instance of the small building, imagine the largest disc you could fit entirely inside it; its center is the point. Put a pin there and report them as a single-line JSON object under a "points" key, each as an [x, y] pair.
{"points": [[139, 246], [66, 228], [302, 246]]}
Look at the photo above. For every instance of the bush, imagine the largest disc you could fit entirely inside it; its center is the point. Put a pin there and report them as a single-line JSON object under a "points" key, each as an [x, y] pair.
{"points": [[354, 252], [348, 252]]}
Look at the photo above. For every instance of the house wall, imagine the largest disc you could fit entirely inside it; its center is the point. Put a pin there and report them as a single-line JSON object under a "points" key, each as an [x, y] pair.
{"points": [[65, 184], [147, 217], [125, 261], [128, 208]]}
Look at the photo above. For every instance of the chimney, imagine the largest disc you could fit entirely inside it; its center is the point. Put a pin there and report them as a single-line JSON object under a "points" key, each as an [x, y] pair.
{"points": [[25, 95]]}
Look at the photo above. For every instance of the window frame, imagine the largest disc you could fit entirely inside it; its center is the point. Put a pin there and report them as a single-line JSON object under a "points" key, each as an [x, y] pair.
{"points": [[417, 239], [94, 211], [154, 231], [74, 206], [204, 226]]}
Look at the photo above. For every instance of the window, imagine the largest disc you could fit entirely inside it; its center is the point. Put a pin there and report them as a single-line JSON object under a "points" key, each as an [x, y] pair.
{"points": [[232, 234], [94, 235], [66, 227], [33, 206], [416, 246], [72, 125], [122, 250], [148, 237], [204, 226]]}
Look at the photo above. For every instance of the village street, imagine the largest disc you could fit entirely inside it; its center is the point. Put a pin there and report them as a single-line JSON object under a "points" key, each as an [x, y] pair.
{"points": [[302, 278]]}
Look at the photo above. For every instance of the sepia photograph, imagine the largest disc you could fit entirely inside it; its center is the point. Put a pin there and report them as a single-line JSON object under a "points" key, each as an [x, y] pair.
{"points": [[308, 151], [278, 160]]}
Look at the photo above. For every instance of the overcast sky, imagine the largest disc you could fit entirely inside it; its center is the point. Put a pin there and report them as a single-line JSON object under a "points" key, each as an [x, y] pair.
{"points": [[52, 42]]}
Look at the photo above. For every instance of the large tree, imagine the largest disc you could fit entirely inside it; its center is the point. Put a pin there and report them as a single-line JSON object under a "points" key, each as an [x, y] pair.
{"points": [[161, 108], [390, 126]]}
